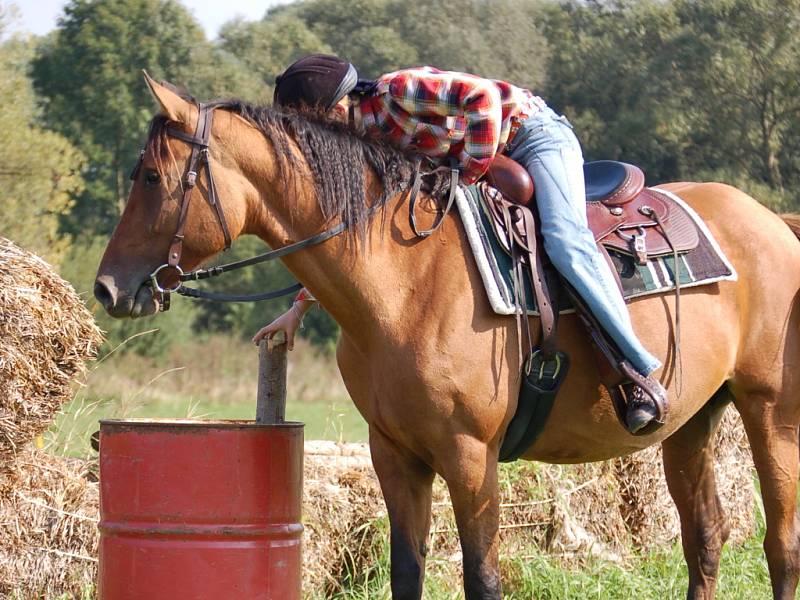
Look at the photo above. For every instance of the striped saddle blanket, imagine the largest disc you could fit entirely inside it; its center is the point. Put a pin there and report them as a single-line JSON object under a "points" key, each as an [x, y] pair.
{"points": [[703, 264]]}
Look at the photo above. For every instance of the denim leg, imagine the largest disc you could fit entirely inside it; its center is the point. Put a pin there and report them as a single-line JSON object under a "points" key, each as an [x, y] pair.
{"points": [[550, 152]]}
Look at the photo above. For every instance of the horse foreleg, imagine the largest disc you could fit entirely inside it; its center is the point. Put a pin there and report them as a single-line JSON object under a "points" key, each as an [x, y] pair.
{"points": [[471, 476], [689, 470], [772, 429], [406, 483]]}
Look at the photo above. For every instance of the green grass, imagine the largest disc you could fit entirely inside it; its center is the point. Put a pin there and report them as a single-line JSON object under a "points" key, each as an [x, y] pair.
{"points": [[213, 380], [660, 575], [332, 420]]}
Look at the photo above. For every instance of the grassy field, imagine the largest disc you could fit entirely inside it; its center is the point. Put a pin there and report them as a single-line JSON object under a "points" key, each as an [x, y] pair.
{"points": [[659, 575], [217, 379], [212, 380]]}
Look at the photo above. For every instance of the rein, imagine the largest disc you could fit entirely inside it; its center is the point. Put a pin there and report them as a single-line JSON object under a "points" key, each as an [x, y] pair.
{"points": [[198, 161]]}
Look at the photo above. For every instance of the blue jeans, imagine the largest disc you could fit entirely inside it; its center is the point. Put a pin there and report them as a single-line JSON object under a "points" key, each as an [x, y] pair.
{"points": [[546, 146]]}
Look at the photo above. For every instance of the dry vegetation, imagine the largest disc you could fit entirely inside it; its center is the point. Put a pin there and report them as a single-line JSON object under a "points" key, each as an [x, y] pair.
{"points": [[602, 510], [48, 527], [47, 335]]}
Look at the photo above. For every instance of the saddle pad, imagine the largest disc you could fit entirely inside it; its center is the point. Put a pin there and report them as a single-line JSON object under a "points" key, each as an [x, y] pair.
{"points": [[704, 265]]}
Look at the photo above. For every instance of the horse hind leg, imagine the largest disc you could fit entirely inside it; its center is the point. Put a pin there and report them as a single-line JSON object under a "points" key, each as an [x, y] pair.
{"points": [[771, 418], [689, 470]]}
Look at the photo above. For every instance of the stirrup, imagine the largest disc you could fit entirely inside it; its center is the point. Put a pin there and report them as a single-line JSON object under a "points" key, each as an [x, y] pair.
{"points": [[621, 405]]}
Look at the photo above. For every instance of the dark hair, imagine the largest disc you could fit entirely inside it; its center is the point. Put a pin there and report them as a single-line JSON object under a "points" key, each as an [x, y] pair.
{"points": [[337, 156]]}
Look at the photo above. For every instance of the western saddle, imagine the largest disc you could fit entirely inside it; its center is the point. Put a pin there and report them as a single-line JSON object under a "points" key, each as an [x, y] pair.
{"points": [[622, 213], [624, 216]]}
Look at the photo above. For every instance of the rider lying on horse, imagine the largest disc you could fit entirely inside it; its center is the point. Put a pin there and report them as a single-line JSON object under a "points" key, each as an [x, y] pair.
{"points": [[450, 115]]}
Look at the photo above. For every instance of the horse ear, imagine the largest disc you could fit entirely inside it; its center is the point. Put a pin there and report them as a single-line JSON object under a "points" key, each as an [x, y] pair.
{"points": [[175, 107]]}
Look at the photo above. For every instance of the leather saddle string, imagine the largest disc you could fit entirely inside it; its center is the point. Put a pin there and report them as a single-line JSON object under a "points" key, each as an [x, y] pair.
{"points": [[415, 188], [520, 299], [679, 366]]}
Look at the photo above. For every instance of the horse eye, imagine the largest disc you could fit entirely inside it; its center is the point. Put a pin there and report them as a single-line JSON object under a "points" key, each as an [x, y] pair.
{"points": [[152, 178]]}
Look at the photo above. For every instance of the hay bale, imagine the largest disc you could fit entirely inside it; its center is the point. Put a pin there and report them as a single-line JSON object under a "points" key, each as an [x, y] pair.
{"points": [[603, 510], [341, 504], [48, 527], [47, 335], [647, 508]]}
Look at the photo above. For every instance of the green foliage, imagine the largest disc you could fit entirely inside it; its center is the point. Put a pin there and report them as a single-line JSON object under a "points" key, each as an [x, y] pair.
{"points": [[607, 74], [247, 318], [498, 39], [88, 72], [267, 47], [684, 88], [39, 169], [745, 56], [689, 89]]}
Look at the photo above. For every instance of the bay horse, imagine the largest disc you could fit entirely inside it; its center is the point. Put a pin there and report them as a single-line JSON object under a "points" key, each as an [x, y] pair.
{"points": [[434, 371]]}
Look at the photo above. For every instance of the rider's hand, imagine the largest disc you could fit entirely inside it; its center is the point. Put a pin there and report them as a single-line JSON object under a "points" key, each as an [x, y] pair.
{"points": [[288, 322]]}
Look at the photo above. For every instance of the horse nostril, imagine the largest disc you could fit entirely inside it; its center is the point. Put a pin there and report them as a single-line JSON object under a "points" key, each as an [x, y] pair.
{"points": [[104, 295]]}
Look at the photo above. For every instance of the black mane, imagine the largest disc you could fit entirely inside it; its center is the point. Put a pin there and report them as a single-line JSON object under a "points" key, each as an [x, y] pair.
{"points": [[337, 156]]}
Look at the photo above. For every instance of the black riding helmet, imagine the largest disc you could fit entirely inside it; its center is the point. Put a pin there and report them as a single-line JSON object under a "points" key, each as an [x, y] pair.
{"points": [[316, 81]]}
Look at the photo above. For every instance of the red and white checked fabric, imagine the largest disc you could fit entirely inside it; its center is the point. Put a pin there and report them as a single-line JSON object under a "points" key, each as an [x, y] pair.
{"points": [[445, 114]]}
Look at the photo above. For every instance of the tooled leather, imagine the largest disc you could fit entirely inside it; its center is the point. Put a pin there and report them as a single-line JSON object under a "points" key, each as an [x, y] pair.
{"points": [[614, 231], [606, 226]]}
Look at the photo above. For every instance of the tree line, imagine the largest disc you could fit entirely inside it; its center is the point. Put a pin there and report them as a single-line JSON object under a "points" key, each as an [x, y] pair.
{"points": [[688, 89]]}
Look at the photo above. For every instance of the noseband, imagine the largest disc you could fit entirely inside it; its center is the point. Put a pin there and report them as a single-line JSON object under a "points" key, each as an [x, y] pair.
{"points": [[199, 161]]}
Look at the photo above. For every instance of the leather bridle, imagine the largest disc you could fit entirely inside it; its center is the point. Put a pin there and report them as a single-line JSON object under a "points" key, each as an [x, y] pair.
{"points": [[199, 161]]}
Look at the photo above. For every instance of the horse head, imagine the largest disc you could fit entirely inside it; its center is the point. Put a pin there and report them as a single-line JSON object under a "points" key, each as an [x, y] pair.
{"points": [[146, 235]]}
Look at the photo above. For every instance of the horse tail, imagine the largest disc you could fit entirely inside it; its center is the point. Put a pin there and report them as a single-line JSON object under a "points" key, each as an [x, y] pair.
{"points": [[793, 221]]}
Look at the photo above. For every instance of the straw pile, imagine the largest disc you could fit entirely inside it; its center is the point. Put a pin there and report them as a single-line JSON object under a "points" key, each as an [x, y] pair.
{"points": [[47, 335], [48, 528], [571, 511]]}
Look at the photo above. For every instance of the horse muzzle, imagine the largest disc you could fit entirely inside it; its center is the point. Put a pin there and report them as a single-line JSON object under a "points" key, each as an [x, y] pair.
{"points": [[121, 304]]}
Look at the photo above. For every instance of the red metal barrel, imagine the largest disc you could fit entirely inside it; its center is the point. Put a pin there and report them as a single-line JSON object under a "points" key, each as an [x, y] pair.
{"points": [[200, 510]]}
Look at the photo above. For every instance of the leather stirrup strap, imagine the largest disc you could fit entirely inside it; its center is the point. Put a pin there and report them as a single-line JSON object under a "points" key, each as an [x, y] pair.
{"points": [[646, 210], [547, 313]]}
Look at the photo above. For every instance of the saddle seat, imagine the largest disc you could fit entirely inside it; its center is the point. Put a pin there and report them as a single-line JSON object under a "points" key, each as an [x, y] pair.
{"points": [[623, 215]]}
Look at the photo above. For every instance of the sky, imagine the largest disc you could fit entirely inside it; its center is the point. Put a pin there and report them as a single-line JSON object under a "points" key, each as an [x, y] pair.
{"points": [[39, 16]]}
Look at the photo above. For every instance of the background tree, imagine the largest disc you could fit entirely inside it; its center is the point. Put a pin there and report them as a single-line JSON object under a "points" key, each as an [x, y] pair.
{"points": [[688, 89], [739, 65], [88, 72], [268, 46], [608, 73], [39, 169]]}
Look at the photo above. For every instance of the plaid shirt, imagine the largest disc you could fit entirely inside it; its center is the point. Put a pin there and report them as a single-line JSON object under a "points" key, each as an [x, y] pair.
{"points": [[446, 114]]}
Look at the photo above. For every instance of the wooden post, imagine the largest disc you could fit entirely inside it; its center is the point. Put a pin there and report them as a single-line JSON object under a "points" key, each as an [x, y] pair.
{"points": [[271, 402]]}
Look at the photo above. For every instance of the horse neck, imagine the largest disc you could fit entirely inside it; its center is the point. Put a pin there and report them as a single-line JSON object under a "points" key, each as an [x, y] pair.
{"points": [[369, 284]]}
